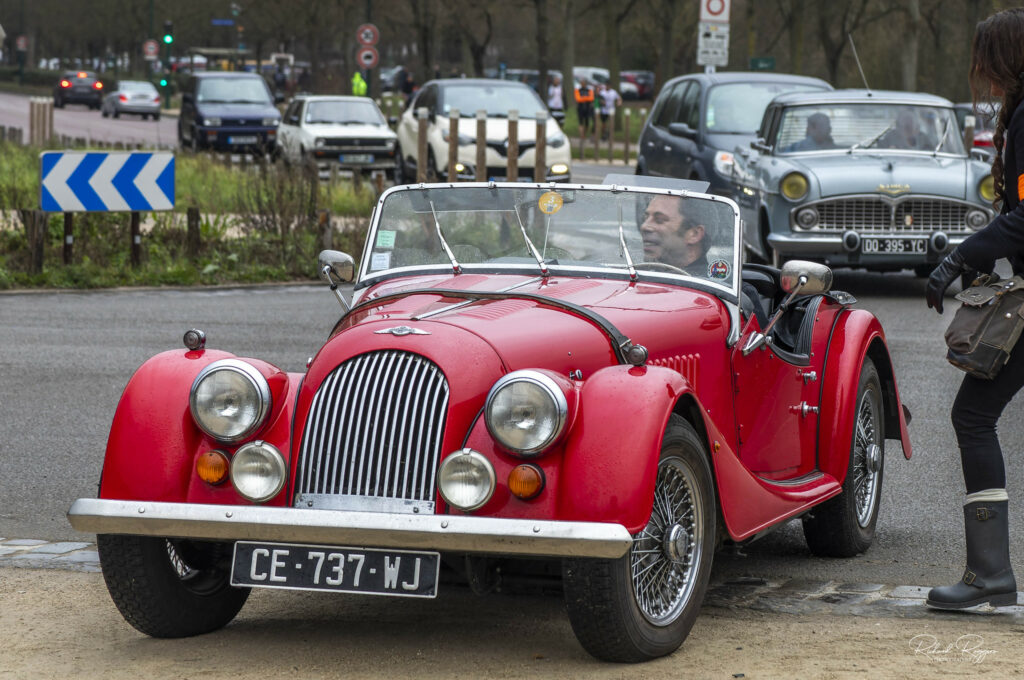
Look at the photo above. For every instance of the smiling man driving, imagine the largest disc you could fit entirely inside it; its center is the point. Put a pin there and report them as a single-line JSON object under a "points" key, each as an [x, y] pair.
{"points": [[673, 239]]}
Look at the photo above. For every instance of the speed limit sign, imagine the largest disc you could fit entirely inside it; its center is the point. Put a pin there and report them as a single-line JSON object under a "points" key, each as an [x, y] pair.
{"points": [[367, 57], [367, 34]]}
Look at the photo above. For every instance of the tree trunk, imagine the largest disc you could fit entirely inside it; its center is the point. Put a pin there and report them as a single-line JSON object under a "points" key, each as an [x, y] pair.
{"points": [[796, 37], [909, 45], [541, 7], [666, 62], [568, 52]]}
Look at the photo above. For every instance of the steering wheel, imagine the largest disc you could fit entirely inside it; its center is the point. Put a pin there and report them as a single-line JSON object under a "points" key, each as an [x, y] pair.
{"points": [[660, 266]]}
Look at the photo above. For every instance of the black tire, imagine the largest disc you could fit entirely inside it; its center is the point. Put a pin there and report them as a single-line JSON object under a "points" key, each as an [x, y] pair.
{"points": [[104, 113], [401, 172], [170, 588], [117, 114], [156, 116], [602, 597], [433, 174], [58, 102], [844, 526]]}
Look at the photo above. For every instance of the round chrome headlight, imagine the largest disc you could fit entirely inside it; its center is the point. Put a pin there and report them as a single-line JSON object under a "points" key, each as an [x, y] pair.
{"points": [[976, 219], [807, 218], [258, 471], [466, 480], [229, 400], [525, 412]]}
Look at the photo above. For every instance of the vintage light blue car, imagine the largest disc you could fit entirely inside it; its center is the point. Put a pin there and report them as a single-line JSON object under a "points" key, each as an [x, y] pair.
{"points": [[852, 178]]}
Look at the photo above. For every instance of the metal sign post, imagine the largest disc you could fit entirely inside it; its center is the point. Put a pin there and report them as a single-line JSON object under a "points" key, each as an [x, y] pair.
{"points": [[713, 34]]}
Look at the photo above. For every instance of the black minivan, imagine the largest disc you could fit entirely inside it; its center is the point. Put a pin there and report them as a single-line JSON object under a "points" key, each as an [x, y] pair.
{"points": [[228, 111], [698, 119]]}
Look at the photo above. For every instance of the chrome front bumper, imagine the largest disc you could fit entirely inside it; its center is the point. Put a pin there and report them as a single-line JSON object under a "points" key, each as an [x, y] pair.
{"points": [[456, 533]]}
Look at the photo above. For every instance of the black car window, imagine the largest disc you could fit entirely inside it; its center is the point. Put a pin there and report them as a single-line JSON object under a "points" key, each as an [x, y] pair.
{"points": [[737, 108], [427, 99], [689, 109], [669, 104], [291, 115], [233, 91]]}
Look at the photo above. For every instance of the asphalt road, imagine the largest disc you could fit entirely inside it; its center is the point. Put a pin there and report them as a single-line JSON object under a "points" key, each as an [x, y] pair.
{"points": [[78, 120], [66, 356]]}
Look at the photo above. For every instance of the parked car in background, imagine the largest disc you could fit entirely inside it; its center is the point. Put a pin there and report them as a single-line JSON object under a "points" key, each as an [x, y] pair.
{"points": [[644, 81], [497, 98], [387, 79], [349, 133], [78, 87], [698, 119], [138, 97], [878, 180], [228, 111], [596, 75], [984, 124], [516, 390]]}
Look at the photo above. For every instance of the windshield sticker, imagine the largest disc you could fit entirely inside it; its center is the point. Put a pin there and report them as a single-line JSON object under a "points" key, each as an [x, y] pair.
{"points": [[719, 269], [380, 261], [385, 238], [550, 203]]}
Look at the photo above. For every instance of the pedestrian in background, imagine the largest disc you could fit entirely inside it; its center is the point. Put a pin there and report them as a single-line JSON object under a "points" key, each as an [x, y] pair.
{"points": [[585, 107], [609, 100], [555, 96], [358, 84], [996, 72]]}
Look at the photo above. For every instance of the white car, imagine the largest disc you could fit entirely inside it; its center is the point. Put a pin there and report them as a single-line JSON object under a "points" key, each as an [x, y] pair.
{"points": [[497, 98], [348, 132]]}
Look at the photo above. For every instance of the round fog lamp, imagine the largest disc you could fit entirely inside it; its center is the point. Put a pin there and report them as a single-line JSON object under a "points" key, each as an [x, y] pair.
{"points": [[794, 186], [258, 471], [807, 218], [987, 188], [466, 480], [976, 219]]}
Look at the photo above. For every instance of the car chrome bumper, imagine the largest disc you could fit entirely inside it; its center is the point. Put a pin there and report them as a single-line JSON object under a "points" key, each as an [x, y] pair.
{"points": [[830, 247], [456, 533]]}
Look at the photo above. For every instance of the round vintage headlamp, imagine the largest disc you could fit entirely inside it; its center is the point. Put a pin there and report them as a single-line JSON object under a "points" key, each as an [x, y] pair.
{"points": [[525, 412], [987, 188], [229, 400], [258, 471], [794, 186], [466, 480], [976, 219], [807, 218], [319, 142]]}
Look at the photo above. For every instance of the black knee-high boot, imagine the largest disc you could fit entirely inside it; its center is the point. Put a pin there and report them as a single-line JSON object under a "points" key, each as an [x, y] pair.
{"points": [[989, 576]]}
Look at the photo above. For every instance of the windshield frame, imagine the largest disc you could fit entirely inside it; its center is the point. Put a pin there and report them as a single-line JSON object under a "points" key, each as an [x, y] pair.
{"points": [[730, 293], [208, 82]]}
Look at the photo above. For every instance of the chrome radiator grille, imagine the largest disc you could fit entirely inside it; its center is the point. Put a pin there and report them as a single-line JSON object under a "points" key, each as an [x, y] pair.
{"points": [[877, 215], [374, 431]]}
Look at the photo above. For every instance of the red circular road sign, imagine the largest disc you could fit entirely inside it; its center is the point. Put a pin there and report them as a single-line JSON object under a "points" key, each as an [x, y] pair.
{"points": [[150, 48], [21, 43], [367, 34], [367, 57]]}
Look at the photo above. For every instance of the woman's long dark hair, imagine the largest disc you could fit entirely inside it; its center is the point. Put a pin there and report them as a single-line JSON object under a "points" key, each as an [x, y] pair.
{"points": [[997, 59]]}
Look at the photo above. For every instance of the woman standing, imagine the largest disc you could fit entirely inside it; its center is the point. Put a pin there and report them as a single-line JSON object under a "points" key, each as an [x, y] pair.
{"points": [[997, 72]]}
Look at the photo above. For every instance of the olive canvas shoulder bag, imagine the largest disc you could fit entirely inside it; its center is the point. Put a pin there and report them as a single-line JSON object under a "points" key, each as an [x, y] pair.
{"points": [[986, 326]]}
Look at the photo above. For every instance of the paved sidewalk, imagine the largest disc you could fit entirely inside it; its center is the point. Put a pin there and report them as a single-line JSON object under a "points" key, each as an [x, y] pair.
{"points": [[793, 596]]}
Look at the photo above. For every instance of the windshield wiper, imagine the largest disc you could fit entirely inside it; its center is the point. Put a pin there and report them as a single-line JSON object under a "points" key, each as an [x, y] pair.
{"points": [[625, 250], [942, 141], [529, 243], [444, 244], [866, 143]]}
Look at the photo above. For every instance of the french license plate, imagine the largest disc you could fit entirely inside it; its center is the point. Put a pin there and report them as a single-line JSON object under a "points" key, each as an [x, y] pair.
{"points": [[244, 139], [356, 158], [893, 246], [402, 573]]}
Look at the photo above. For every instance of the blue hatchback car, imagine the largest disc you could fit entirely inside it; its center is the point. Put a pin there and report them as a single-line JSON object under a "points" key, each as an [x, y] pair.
{"points": [[698, 119], [228, 111]]}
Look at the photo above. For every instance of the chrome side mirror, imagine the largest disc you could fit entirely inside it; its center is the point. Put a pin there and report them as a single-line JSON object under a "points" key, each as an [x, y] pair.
{"points": [[334, 268], [798, 277]]}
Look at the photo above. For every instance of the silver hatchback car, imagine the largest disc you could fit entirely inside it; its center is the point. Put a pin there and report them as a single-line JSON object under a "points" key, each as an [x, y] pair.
{"points": [[132, 96]]}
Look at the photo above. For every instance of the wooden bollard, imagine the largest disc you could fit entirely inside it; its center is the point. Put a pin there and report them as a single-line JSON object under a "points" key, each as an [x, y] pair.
{"points": [[540, 156], [625, 136], [136, 235], [481, 145], [453, 145], [513, 146], [611, 138], [192, 243], [421, 144], [69, 237]]}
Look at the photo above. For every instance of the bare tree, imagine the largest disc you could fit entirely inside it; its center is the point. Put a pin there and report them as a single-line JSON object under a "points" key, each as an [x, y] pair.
{"points": [[910, 47], [838, 19], [473, 13]]}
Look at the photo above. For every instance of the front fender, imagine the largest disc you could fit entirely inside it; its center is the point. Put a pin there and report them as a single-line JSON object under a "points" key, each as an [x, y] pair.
{"points": [[857, 334], [611, 456], [153, 440]]}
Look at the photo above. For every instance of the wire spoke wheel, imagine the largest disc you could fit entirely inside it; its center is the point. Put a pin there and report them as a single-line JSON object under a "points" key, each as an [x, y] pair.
{"points": [[664, 554], [866, 459]]}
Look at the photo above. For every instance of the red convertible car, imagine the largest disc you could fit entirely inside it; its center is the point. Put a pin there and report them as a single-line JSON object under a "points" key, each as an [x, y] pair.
{"points": [[582, 379]]}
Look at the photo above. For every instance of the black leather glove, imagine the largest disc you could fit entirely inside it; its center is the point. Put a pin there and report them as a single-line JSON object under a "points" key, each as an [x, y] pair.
{"points": [[947, 272]]}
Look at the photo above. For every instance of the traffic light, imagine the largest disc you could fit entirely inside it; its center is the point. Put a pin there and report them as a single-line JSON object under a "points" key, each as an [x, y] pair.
{"points": [[168, 32], [163, 82]]}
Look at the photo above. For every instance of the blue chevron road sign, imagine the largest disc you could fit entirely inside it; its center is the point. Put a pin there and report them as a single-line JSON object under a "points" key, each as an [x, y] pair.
{"points": [[118, 181]]}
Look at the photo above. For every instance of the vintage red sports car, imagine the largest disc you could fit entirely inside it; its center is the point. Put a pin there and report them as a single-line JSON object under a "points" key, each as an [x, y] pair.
{"points": [[525, 377]]}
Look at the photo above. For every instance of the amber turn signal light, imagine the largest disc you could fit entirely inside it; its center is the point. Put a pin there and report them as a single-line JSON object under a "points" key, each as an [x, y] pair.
{"points": [[526, 481], [213, 467]]}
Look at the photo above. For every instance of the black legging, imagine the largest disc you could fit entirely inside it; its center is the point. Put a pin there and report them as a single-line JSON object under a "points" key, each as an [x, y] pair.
{"points": [[976, 409]]}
